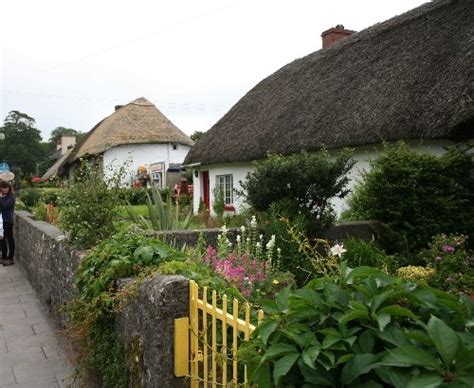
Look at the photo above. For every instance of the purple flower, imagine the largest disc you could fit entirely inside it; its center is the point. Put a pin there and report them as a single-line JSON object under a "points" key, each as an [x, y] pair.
{"points": [[448, 248], [438, 258]]}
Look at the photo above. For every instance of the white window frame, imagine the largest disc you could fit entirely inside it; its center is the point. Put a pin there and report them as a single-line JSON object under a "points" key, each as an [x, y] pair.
{"points": [[226, 184]]}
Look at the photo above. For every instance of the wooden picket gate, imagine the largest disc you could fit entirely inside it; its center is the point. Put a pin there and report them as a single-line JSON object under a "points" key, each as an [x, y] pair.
{"points": [[203, 350]]}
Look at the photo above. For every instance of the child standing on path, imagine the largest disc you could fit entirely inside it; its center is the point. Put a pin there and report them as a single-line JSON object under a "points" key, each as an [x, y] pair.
{"points": [[7, 208]]}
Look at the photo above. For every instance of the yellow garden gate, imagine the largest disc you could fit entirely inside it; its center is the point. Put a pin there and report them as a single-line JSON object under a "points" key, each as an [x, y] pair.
{"points": [[206, 342]]}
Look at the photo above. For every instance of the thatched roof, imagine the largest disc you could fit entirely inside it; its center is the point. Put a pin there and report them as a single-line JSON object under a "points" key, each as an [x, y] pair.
{"points": [[54, 169], [411, 77], [138, 122]]}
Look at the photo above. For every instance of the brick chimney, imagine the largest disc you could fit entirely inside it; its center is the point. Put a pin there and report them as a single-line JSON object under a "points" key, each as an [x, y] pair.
{"points": [[335, 34]]}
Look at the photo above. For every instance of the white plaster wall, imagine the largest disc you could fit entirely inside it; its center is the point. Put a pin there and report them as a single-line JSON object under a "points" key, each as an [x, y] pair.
{"points": [[197, 195], [135, 155]]}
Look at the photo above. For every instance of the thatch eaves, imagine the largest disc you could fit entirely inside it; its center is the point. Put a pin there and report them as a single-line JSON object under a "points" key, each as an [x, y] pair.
{"points": [[411, 77], [138, 122]]}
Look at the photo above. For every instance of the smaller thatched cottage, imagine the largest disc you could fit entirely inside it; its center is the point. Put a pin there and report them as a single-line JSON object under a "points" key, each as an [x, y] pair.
{"points": [[136, 135], [410, 78]]}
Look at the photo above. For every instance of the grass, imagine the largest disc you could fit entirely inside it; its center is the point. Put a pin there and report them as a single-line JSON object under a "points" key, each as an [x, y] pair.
{"points": [[141, 210]]}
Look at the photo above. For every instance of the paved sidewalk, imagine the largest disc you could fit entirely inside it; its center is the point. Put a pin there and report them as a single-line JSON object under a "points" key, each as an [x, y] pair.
{"points": [[31, 355]]}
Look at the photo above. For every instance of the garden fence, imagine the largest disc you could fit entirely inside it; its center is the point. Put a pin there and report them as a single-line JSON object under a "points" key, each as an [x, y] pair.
{"points": [[206, 342]]}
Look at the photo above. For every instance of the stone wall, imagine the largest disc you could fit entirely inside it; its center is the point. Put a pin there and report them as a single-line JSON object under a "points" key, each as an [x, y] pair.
{"points": [[145, 325], [364, 230], [48, 263]]}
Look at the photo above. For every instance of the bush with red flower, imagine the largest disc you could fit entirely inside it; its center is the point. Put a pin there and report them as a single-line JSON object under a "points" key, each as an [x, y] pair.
{"points": [[453, 263]]}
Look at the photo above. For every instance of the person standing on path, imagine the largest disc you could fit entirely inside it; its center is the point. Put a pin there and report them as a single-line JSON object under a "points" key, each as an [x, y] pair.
{"points": [[7, 208]]}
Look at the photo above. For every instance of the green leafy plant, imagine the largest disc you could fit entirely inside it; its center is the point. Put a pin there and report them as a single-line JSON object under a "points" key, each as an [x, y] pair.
{"points": [[418, 196], [163, 214], [219, 203], [125, 254], [363, 328], [364, 253], [30, 196], [89, 206]]}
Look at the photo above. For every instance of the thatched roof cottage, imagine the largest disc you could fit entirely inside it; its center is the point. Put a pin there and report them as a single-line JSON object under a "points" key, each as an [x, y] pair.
{"points": [[137, 134], [411, 78]]}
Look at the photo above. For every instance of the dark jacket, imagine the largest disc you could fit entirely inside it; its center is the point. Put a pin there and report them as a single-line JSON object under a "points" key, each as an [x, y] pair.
{"points": [[7, 207]]}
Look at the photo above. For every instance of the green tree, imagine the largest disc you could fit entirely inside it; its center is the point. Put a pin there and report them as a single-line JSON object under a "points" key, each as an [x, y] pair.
{"points": [[197, 135], [20, 146]]}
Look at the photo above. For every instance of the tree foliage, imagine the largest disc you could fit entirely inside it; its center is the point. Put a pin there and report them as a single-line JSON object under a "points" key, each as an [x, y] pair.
{"points": [[20, 146], [300, 186], [197, 135]]}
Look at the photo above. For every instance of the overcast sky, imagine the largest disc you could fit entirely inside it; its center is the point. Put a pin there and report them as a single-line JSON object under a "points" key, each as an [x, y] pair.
{"points": [[68, 63]]}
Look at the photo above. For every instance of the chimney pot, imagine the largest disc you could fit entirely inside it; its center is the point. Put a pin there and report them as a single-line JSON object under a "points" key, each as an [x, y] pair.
{"points": [[334, 35]]}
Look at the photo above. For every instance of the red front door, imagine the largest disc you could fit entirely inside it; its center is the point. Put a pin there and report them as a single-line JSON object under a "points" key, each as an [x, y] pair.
{"points": [[205, 188]]}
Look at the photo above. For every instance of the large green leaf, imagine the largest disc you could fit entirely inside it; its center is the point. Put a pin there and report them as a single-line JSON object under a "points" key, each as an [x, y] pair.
{"points": [[398, 311], [266, 329], [261, 376], [361, 272], [360, 364], [310, 355], [426, 380], [278, 349], [445, 339], [316, 378], [283, 366], [352, 315], [398, 377], [383, 320], [409, 355]]}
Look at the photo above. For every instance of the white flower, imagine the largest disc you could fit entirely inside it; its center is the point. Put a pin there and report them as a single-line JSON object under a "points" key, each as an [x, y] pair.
{"points": [[261, 237], [257, 244], [271, 243], [238, 238], [253, 222], [229, 243], [338, 250], [224, 229], [288, 185], [242, 229]]}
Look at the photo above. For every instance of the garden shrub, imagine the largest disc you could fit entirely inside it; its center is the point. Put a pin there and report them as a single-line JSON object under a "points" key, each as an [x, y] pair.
{"points": [[414, 272], [363, 328], [29, 196], [134, 195], [50, 195], [453, 264], [364, 253], [89, 206], [418, 195], [299, 187]]}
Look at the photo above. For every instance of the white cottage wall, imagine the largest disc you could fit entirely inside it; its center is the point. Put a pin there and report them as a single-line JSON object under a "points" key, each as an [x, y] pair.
{"points": [[135, 155], [239, 173]]}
